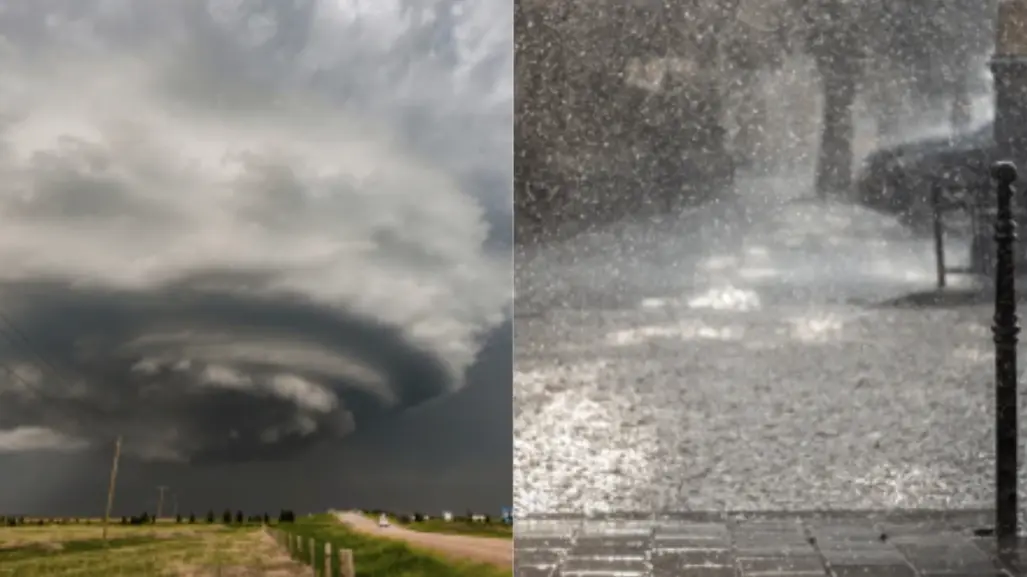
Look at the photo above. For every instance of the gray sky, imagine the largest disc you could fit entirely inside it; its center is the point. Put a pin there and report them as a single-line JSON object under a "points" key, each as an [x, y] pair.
{"points": [[250, 236]]}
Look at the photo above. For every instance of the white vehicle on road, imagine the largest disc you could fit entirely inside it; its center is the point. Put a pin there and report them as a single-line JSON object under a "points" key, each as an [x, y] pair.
{"points": [[383, 521]]}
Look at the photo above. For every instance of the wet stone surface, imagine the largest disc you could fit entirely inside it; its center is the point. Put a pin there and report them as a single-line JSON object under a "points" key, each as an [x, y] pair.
{"points": [[750, 359], [901, 544]]}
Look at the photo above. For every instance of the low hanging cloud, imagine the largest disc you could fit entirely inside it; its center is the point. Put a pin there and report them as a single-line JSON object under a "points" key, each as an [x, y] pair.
{"points": [[231, 230]]}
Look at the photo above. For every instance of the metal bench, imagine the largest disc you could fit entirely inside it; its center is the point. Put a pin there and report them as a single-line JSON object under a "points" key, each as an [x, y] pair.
{"points": [[976, 203]]}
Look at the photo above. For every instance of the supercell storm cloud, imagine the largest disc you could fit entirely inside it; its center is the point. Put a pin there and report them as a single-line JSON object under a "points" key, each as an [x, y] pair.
{"points": [[229, 230]]}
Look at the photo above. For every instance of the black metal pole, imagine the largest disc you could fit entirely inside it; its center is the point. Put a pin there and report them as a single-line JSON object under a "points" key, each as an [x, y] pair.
{"points": [[939, 234], [1005, 329]]}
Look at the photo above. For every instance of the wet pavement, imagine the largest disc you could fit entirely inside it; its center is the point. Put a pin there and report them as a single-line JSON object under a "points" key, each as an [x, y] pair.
{"points": [[895, 544], [748, 358]]}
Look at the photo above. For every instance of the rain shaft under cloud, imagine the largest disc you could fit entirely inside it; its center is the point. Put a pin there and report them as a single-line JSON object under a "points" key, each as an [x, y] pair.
{"points": [[232, 229]]}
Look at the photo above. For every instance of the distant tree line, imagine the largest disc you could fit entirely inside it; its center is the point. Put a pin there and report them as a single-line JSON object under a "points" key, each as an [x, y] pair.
{"points": [[19, 520], [419, 517], [227, 517], [145, 518]]}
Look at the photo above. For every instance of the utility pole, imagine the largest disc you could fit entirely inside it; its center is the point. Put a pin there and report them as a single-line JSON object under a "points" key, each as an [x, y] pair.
{"points": [[174, 504], [160, 500], [110, 488]]}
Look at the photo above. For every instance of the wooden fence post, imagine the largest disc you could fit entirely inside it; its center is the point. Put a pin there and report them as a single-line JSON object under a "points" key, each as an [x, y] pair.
{"points": [[328, 560], [346, 569], [313, 554]]}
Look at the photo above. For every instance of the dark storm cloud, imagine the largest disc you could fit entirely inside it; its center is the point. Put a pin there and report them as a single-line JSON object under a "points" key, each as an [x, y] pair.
{"points": [[234, 230], [191, 372], [450, 454]]}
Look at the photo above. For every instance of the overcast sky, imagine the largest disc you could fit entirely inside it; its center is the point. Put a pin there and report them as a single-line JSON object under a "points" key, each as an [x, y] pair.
{"points": [[250, 236]]}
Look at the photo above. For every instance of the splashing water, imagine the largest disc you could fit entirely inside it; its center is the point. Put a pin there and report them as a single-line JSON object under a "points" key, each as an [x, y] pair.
{"points": [[742, 367]]}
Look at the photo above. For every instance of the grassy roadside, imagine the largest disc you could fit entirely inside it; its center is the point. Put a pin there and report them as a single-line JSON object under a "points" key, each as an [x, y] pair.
{"points": [[377, 557], [492, 530], [166, 550]]}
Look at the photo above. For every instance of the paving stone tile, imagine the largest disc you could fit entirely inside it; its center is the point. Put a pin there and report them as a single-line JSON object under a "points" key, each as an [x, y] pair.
{"points": [[537, 556], [721, 557], [953, 558], [696, 571], [765, 533], [775, 565], [545, 528], [616, 528], [863, 557], [775, 549], [777, 525], [683, 528], [591, 565], [852, 542], [981, 571], [822, 572], [607, 547], [928, 527], [759, 538], [539, 542], [990, 546], [671, 543], [942, 539], [633, 535], [846, 531], [872, 571], [988, 573], [1012, 559], [764, 537], [862, 542], [528, 571]]}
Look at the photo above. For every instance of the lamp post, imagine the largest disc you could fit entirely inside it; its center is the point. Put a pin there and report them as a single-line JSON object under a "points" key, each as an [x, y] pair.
{"points": [[1005, 330], [1009, 69]]}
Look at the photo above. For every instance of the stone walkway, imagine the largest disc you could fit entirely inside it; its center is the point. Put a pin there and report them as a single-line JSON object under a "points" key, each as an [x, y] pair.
{"points": [[895, 544]]}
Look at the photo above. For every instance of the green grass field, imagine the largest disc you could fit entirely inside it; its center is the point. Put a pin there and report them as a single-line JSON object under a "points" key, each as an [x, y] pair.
{"points": [[376, 557], [165, 550]]}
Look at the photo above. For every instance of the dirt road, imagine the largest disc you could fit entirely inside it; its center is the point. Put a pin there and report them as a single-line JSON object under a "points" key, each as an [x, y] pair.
{"points": [[480, 549]]}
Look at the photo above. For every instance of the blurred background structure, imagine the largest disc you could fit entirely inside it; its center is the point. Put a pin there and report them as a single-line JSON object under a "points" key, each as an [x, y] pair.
{"points": [[644, 106]]}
